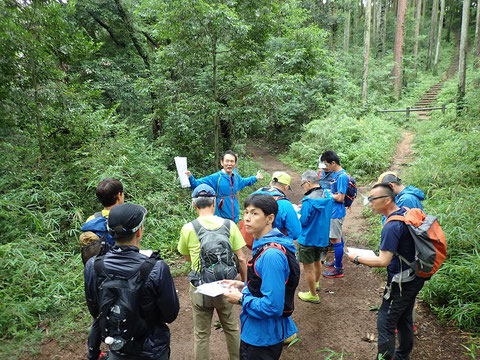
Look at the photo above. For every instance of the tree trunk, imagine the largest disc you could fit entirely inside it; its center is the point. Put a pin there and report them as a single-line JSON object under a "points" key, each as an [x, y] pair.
{"points": [[462, 63], [417, 32], [374, 24], [477, 36], [216, 120], [346, 32], [398, 48], [384, 27], [366, 50], [38, 120], [450, 21], [433, 25], [439, 36], [334, 27]]}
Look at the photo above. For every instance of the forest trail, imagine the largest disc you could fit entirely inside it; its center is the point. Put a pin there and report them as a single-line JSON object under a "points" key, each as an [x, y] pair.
{"points": [[339, 325]]}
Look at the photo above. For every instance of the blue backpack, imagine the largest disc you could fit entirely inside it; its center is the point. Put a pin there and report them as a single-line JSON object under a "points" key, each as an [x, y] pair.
{"points": [[352, 190], [97, 225]]}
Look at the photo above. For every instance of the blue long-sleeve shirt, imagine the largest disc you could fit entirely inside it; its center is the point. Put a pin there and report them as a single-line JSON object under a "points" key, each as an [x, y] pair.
{"points": [[287, 218], [226, 188], [315, 217], [261, 318]]}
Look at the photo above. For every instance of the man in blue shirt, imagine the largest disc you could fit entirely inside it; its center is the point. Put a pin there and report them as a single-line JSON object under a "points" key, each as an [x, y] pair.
{"points": [[338, 189], [315, 219], [402, 284], [408, 196], [226, 183], [287, 218], [272, 277]]}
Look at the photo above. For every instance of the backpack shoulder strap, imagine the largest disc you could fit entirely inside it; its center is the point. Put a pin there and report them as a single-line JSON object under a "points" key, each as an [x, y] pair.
{"points": [[218, 181], [395, 217], [196, 227], [99, 266], [147, 266], [226, 222], [98, 214]]}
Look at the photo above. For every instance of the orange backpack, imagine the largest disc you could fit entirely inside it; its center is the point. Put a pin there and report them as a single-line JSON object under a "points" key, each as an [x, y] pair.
{"points": [[430, 243]]}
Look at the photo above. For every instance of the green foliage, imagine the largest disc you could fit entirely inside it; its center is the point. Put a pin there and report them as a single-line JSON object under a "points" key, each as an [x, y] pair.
{"points": [[365, 146], [447, 169]]}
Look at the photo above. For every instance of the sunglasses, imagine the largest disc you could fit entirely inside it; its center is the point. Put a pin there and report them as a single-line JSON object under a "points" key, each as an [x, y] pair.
{"points": [[370, 199]]}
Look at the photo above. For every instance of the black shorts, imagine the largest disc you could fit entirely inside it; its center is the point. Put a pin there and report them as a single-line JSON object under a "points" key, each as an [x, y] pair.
{"points": [[251, 352]]}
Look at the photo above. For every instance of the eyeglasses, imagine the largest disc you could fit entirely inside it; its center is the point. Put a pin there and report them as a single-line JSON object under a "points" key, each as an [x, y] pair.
{"points": [[370, 199], [303, 183]]}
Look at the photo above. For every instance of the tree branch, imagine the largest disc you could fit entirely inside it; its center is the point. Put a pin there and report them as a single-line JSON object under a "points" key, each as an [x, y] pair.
{"points": [[106, 27]]}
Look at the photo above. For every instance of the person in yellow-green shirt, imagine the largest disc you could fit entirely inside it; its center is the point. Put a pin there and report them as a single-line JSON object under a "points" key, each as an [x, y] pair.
{"points": [[203, 306]]}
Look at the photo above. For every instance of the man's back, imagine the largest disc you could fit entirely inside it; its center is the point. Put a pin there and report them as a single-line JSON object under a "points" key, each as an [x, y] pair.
{"points": [[189, 244], [158, 301]]}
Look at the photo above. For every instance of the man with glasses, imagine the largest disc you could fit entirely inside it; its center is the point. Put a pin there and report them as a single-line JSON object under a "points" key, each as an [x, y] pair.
{"points": [[402, 284], [338, 189], [226, 183], [313, 241], [157, 300]]}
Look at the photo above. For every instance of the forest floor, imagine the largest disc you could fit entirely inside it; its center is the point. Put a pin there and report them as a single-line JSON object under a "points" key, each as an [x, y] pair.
{"points": [[339, 326]]}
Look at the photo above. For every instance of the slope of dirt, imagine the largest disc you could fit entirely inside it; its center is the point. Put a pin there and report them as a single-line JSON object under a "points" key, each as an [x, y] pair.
{"points": [[342, 320]]}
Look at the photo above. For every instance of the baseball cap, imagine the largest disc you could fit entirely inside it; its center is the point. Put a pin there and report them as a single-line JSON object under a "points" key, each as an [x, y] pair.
{"points": [[321, 164], [282, 177], [389, 177], [203, 190], [125, 219]]}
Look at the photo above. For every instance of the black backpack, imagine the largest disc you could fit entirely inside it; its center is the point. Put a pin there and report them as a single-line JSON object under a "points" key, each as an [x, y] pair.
{"points": [[254, 281], [352, 190], [122, 325], [217, 260]]}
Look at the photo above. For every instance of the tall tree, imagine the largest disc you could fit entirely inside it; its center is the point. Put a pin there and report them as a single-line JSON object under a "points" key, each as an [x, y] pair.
{"points": [[477, 35], [433, 25], [366, 50], [398, 48], [417, 32], [462, 63], [439, 36], [383, 26], [346, 31]]}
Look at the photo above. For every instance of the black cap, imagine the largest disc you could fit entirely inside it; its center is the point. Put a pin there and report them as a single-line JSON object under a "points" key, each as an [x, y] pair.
{"points": [[126, 219]]}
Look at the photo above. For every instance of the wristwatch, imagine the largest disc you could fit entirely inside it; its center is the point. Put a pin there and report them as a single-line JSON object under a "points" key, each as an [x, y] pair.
{"points": [[240, 301], [355, 261]]}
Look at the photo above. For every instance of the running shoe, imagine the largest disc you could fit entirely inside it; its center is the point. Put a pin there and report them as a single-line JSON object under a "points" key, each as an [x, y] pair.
{"points": [[331, 264], [333, 273], [307, 296]]}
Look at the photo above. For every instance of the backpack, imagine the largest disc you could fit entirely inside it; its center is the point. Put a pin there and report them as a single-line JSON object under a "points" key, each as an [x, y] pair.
{"points": [[351, 193], [292, 281], [98, 225], [217, 260], [122, 325], [324, 179], [429, 239]]}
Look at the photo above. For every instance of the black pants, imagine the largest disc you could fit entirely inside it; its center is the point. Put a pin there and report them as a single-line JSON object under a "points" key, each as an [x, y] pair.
{"points": [[396, 313], [251, 352]]}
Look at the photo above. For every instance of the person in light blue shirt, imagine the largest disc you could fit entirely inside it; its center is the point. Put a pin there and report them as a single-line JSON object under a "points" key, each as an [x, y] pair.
{"points": [[268, 295], [405, 196], [226, 183], [338, 189], [287, 218], [315, 216]]}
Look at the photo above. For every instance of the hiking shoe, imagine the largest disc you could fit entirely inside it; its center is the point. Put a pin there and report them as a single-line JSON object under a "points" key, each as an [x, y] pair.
{"points": [[331, 264], [306, 296], [333, 273], [317, 285]]}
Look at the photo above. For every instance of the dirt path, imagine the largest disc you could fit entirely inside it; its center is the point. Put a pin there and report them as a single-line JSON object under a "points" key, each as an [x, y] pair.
{"points": [[339, 324]]}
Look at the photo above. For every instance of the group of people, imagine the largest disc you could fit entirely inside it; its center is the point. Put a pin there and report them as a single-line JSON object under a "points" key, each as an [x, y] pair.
{"points": [[284, 235]]}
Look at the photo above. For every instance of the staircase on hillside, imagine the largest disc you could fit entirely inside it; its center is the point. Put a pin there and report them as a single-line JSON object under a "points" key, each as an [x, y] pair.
{"points": [[427, 99]]}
